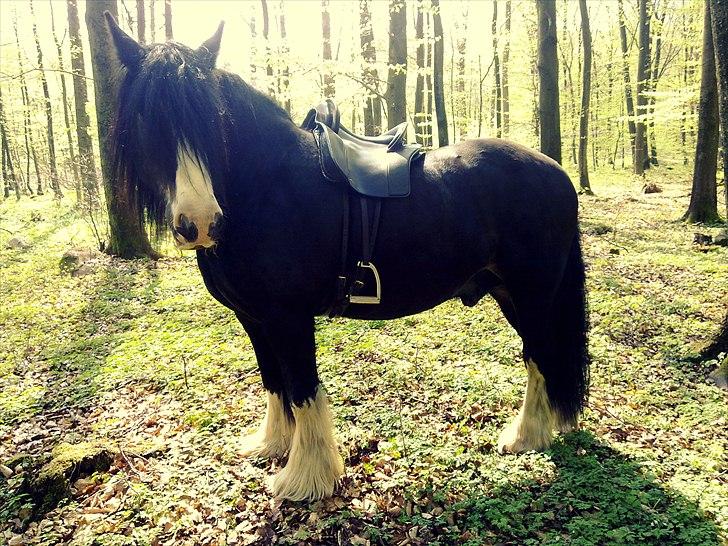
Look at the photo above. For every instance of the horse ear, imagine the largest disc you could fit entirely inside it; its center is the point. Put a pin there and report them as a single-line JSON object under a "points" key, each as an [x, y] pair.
{"points": [[130, 53], [210, 47]]}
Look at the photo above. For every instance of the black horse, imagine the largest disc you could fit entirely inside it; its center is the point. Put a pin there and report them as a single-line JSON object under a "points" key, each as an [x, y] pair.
{"points": [[243, 186]]}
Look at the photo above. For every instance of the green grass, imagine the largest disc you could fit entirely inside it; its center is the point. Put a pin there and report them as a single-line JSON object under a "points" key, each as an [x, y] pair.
{"points": [[138, 355]]}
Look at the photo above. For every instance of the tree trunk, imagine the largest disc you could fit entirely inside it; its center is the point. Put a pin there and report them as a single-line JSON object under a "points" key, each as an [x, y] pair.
{"points": [[8, 171], [625, 72], [87, 162], [329, 86], [703, 206], [140, 21], [719, 19], [55, 184], [268, 60], [152, 23], [496, 70], [585, 92], [284, 79], [397, 77], [373, 104], [168, 20], [428, 79], [127, 236], [460, 114], [438, 88], [548, 69], [653, 85], [66, 116], [504, 72], [420, 114], [27, 130], [643, 67]]}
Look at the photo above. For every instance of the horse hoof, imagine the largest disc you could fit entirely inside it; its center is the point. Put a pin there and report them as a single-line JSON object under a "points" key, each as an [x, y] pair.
{"points": [[311, 482], [513, 440], [255, 445]]}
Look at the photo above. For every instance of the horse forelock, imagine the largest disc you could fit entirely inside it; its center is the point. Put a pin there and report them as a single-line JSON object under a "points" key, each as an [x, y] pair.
{"points": [[171, 103]]}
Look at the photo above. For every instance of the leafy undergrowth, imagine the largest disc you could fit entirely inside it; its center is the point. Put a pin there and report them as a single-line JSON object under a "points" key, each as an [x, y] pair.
{"points": [[137, 356]]}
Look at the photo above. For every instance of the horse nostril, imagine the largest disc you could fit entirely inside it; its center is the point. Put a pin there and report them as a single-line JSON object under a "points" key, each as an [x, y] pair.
{"points": [[215, 229], [186, 228]]}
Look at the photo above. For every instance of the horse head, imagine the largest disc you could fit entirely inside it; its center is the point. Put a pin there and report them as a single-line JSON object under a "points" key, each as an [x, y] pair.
{"points": [[168, 139]]}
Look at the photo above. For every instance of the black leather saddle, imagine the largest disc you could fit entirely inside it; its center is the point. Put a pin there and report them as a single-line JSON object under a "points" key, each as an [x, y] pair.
{"points": [[376, 166]]}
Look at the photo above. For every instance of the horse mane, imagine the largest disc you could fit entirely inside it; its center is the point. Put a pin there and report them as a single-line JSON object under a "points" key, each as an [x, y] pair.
{"points": [[170, 101]]}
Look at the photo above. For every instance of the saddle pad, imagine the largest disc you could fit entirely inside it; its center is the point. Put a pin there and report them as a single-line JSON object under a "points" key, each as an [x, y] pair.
{"points": [[369, 167]]}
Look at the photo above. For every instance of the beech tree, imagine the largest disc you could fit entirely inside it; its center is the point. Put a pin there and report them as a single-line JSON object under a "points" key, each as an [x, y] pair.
{"points": [[641, 160], [396, 94], [127, 237], [438, 89], [548, 70], [373, 102], [585, 96]]}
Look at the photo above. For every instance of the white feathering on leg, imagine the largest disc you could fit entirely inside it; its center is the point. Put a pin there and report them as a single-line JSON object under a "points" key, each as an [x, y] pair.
{"points": [[314, 463]]}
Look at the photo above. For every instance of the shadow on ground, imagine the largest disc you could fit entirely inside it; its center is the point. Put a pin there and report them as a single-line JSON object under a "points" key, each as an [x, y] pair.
{"points": [[598, 497]]}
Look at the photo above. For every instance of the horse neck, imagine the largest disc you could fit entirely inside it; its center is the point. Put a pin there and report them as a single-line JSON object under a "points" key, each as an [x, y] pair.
{"points": [[260, 132]]}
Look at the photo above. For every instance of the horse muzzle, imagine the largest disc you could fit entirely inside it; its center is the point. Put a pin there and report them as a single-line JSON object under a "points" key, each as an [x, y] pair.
{"points": [[188, 236]]}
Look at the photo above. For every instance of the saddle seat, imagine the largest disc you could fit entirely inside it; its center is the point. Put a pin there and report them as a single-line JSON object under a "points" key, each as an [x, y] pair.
{"points": [[374, 166]]}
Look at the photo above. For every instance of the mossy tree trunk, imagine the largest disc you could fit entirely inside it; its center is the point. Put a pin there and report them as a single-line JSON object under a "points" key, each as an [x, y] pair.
{"points": [[438, 87], [127, 236], [397, 77], [703, 206], [585, 96], [719, 20], [548, 70]]}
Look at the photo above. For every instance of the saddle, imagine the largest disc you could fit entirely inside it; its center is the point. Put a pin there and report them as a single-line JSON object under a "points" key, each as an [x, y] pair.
{"points": [[375, 168]]}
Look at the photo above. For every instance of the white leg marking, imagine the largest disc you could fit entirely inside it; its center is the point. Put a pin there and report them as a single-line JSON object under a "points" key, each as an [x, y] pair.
{"points": [[273, 437], [314, 464], [532, 428]]}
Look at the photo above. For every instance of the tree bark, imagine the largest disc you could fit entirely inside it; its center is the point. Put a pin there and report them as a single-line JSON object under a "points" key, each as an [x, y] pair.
{"points": [[329, 85], [55, 184], [87, 162], [66, 116], [548, 69], [641, 160], [396, 94], [141, 22], [168, 35], [27, 132], [8, 171], [504, 72], [653, 85], [438, 88], [719, 20], [268, 60], [373, 104], [284, 78], [496, 70], [152, 23], [625, 72], [585, 95], [127, 236], [420, 114], [703, 206], [460, 114]]}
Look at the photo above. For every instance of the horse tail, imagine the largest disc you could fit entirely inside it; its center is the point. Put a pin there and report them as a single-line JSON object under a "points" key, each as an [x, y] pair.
{"points": [[567, 378]]}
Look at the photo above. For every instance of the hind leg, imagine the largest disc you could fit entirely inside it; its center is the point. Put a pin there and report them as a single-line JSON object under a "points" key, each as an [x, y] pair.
{"points": [[274, 435], [531, 430], [314, 463]]}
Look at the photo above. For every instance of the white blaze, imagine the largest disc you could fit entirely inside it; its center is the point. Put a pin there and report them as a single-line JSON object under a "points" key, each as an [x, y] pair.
{"points": [[193, 198]]}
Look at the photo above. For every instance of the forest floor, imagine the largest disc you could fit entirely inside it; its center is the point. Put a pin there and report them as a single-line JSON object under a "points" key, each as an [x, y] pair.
{"points": [[135, 358]]}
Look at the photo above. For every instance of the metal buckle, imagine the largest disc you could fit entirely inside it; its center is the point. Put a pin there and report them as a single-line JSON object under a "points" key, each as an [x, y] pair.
{"points": [[369, 299]]}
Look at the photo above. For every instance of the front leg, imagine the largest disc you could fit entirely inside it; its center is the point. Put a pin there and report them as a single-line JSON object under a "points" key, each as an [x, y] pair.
{"points": [[314, 463], [274, 435]]}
